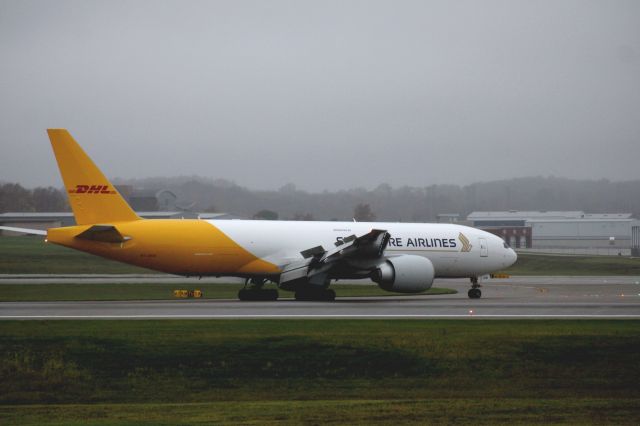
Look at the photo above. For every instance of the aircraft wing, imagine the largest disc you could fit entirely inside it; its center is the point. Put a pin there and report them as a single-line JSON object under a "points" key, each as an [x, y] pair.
{"points": [[318, 262], [370, 245], [24, 230]]}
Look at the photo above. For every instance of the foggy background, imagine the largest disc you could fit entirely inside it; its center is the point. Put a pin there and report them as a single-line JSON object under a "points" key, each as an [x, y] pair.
{"points": [[324, 94]]}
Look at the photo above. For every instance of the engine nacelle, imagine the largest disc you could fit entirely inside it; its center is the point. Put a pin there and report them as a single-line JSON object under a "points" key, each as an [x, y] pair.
{"points": [[405, 274]]}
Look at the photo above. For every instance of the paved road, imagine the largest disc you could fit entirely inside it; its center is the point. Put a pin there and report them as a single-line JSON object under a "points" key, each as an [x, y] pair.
{"points": [[522, 297]]}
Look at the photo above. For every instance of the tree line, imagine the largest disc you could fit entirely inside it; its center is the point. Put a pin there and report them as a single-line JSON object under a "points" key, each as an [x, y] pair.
{"points": [[405, 203], [384, 203], [15, 198]]}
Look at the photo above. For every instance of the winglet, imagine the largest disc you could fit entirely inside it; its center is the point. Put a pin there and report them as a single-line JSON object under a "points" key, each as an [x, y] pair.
{"points": [[92, 197]]}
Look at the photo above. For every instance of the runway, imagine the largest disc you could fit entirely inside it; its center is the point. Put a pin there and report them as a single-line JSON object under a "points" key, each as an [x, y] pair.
{"points": [[522, 297]]}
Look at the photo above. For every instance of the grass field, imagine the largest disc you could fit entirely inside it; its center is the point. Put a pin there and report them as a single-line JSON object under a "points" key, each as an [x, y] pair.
{"points": [[30, 255], [436, 411], [536, 264], [163, 291], [319, 371]]}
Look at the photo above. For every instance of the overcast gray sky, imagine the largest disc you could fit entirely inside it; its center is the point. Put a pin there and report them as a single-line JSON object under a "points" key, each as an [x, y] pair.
{"points": [[324, 94]]}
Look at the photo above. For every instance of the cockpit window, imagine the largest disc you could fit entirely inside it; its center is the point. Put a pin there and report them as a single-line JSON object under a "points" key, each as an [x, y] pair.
{"points": [[505, 245]]}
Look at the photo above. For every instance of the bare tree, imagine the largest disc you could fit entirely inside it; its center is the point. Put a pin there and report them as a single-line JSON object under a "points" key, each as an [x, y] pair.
{"points": [[363, 213], [13, 197], [266, 215], [302, 216], [49, 200]]}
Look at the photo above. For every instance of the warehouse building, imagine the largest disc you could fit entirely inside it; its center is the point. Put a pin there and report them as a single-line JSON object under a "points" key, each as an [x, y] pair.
{"points": [[570, 232]]}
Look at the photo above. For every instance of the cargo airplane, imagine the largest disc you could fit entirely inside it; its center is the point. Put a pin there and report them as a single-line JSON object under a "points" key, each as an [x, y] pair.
{"points": [[303, 257]]}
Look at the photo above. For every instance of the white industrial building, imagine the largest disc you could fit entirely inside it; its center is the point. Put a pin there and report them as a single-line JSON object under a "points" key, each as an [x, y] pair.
{"points": [[571, 232]]}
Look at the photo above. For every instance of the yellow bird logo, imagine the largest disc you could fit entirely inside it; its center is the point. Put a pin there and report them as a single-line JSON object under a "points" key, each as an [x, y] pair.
{"points": [[466, 244]]}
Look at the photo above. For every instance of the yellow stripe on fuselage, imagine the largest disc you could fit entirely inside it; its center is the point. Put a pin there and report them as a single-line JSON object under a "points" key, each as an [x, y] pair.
{"points": [[183, 247]]}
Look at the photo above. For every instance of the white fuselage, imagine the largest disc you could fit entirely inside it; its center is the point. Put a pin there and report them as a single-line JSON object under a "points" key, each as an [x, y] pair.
{"points": [[280, 242]]}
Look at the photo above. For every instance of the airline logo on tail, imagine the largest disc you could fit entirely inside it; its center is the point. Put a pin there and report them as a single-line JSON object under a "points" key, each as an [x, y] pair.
{"points": [[91, 189], [466, 244]]}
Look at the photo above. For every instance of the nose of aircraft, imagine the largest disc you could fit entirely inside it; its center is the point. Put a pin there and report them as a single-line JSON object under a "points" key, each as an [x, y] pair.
{"points": [[512, 256], [506, 256]]}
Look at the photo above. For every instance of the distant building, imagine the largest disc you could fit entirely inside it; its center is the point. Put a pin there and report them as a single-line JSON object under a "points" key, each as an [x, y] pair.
{"points": [[166, 200], [448, 217], [36, 220], [561, 232], [148, 200], [218, 216]]}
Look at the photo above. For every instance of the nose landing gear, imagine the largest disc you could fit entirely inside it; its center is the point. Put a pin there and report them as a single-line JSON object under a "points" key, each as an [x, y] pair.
{"points": [[474, 292]]}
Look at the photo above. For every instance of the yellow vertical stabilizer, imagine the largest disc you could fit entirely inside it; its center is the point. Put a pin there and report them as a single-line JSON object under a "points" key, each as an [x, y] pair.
{"points": [[92, 197]]}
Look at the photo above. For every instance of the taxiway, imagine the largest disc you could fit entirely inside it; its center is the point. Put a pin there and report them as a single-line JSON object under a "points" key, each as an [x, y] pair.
{"points": [[521, 297]]}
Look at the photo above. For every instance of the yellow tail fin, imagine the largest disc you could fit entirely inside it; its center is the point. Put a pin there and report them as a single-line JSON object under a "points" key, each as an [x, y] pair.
{"points": [[92, 197]]}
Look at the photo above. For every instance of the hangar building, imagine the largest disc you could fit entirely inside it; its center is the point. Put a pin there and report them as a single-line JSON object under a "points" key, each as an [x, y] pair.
{"points": [[570, 232]]}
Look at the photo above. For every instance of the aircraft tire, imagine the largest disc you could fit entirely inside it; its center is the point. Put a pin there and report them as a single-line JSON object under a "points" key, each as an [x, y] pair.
{"points": [[257, 295], [325, 295], [330, 295], [474, 293], [271, 294], [301, 295]]}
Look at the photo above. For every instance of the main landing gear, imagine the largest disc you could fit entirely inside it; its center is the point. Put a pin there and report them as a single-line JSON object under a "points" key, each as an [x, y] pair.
{"points": [[320, 294], [253, 291], [474, 292]]}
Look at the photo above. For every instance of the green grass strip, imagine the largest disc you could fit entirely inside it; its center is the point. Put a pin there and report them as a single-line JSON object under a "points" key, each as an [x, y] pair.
{"points": [[535, 264], [31, 255], [435, 410], [173, 361]]}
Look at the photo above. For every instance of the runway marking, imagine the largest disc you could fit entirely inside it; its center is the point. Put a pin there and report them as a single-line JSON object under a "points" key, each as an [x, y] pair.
{"points": [[276, 316]]}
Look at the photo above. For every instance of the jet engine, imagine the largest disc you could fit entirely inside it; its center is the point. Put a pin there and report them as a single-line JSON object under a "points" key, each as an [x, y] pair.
{"points": [[405, 274]]}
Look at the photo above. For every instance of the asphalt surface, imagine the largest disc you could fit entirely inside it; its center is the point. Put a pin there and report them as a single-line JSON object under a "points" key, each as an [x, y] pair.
{"points": [[522, 297]]}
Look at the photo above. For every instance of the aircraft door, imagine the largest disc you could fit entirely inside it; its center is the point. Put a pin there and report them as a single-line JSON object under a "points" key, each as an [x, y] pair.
{"points": [[484, 248]]}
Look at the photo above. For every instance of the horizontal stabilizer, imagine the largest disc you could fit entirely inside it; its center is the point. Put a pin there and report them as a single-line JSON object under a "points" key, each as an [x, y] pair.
{"points": [[103, 233], [24, 230]]}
